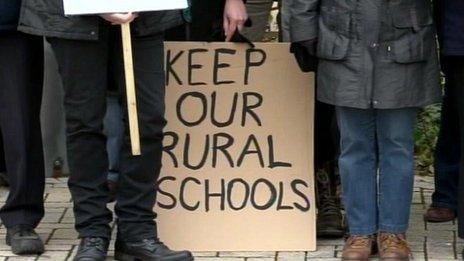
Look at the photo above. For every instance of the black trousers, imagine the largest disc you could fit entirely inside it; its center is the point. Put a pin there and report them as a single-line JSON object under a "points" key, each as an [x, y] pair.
{"points": [[2, 156], [447, 155], [21, 81], [453, 68], [326, 135], [87, 68]]}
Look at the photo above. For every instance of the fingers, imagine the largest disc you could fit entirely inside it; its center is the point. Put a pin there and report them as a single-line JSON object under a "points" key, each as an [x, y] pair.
{"points": [[119, 18], [226, 29], [233, 25], [235, 16], [132, 18], [123, 18]]}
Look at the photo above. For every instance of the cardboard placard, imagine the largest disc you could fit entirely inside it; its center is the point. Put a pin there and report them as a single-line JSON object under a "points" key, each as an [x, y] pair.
{"points": [[76, 7], [238, 159]]}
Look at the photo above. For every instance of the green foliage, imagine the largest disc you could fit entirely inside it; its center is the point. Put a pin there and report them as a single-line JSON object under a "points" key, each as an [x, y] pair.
{"points": [[426, 134]]}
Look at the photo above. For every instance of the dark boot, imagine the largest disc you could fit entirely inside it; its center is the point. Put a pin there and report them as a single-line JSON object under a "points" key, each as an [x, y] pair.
{"points": [[329, 219], [24, 241], [148, 250], [92, 249], [329, 215]]}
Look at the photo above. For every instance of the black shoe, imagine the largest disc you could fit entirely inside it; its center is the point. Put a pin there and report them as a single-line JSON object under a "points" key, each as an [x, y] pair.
{"points": [[92, 249], [24, 241], [148, 250]]}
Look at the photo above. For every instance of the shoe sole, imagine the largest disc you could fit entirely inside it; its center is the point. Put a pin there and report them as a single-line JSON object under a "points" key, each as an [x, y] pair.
{"points": [[35, 249], [32, 247], [87, 259], [431, 220], [126, 257], [374, 254], [330, 233]]}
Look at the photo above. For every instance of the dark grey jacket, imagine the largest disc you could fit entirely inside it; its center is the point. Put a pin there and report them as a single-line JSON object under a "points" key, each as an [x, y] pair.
{"points": [[46, 17], [372, 53]]}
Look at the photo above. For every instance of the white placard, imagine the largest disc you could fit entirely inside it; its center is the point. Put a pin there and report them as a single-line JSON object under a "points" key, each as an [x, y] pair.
{"points": [[76, 7]]}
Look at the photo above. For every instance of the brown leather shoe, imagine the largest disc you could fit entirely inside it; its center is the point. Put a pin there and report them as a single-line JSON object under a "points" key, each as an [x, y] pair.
{"points": [[393, 247], [359, 248], [437, 215]]}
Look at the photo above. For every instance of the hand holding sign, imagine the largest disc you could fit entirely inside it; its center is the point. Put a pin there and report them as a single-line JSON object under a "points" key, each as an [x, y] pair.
{"points": [[122, 12], [235, 16], [119, 18]]}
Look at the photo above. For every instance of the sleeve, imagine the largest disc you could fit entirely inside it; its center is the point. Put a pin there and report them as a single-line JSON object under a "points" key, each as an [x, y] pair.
{"points": [[304, 20]]}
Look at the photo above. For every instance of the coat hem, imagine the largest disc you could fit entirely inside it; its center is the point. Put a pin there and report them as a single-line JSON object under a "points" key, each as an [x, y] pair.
{"points": [[48, 33], [383, 106], [8, 28]]}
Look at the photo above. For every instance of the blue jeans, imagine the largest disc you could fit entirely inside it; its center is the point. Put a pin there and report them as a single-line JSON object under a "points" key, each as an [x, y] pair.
{"points": [[114, 130], [377, 168], [448, 150]]}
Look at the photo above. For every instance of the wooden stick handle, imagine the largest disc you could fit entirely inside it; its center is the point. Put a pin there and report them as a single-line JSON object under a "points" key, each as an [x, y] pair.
{"points": [[130, 89]]}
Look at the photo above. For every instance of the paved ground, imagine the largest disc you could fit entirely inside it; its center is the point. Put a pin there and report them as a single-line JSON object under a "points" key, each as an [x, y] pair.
{"points": [[428, 241]]}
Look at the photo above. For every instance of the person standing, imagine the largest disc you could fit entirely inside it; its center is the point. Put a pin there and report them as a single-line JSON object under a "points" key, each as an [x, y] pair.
{"points": [[89, 55], [326, 146], [451, 36], [378, 64], [448, 152], [21, 83]]}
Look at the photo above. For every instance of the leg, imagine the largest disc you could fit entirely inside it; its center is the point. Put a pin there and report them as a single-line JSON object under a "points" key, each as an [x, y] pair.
{"points": [[137, 233], [330, 219], [2, 156], [138, 175], [447, 153], [21, 81], [395, 139], [455, 74], [114, 129], [21, 78], [358, 168], [85, 103], [3, 174], [395, 135], [259, 11], [53, 119], [285, 20]]}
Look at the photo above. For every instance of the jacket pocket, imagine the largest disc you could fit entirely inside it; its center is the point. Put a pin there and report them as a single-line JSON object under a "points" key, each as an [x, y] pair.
{"points": [[414, 33], [334, 34]]}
